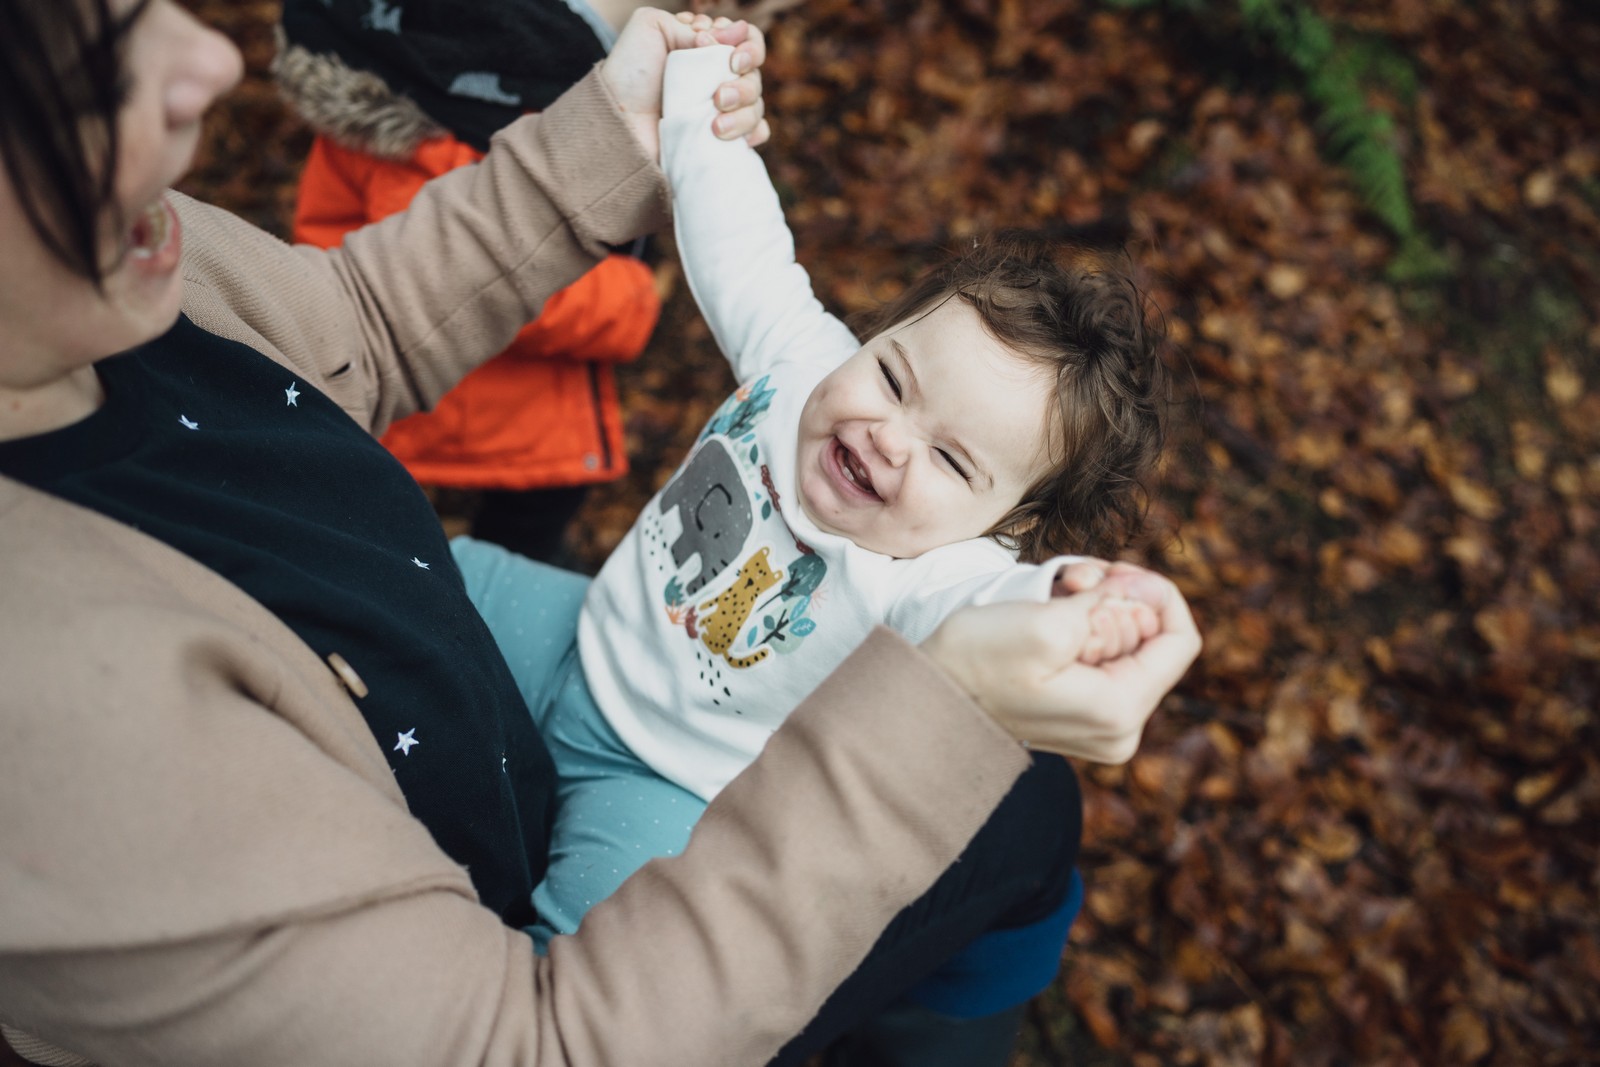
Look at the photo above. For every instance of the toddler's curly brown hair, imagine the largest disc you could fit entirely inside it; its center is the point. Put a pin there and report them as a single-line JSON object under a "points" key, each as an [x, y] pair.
{"points": [[1079, 312]]}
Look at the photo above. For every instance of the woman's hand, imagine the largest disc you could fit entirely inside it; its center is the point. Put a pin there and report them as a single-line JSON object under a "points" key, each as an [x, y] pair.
{"points": [[1021, 663], [634, 69]]}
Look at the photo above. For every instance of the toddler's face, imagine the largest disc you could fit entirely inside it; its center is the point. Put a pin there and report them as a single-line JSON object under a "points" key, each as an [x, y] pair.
{"points": [[926, 436]]}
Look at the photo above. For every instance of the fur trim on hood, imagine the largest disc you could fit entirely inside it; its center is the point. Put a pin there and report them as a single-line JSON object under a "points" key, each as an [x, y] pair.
{"points": [[353, 107]]}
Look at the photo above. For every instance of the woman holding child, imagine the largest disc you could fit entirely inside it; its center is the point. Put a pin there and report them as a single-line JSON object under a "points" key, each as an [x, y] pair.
{"points": [[270, 793]]}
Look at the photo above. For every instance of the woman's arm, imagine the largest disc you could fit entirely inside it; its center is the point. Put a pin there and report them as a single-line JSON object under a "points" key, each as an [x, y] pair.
{"points": [[381, 955], [389, 321], [1023, 663], [716, 956], [392, 319]]}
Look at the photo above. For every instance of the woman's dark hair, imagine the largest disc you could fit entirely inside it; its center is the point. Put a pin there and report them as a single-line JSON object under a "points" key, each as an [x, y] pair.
{"points": [[61, 85], [1079, 313]]}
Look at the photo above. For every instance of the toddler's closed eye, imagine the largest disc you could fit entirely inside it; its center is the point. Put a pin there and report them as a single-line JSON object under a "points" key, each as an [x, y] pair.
{"points": [[955, 466], [888, 376]]}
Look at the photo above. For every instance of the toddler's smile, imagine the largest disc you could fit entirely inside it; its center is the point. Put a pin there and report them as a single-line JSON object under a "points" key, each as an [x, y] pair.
{"points": [[928, 435]]}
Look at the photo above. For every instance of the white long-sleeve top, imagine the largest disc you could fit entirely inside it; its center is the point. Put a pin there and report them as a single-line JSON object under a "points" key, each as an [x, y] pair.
{"points": [[724, 606]]}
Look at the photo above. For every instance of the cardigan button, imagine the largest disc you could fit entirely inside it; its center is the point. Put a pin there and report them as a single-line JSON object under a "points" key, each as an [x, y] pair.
{"points": [[347, 675]]}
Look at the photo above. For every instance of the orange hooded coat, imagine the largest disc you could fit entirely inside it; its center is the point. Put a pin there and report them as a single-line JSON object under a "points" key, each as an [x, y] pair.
{"points": [[542, 414]]}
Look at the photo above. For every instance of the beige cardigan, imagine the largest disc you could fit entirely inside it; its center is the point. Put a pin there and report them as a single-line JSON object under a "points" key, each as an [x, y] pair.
{"points": [[204, 858]]}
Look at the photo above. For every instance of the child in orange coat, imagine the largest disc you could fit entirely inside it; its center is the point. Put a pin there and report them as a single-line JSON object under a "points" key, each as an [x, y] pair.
{"points": [[399, 93]]}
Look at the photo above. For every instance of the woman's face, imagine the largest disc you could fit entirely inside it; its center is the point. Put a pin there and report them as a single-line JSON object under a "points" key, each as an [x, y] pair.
{"points": [[54, 322]]}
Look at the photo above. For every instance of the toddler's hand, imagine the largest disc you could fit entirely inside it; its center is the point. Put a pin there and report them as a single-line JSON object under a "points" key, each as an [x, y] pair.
{"points": [[1116, 628], [634, 68], [1127, 617], [742, 106]]}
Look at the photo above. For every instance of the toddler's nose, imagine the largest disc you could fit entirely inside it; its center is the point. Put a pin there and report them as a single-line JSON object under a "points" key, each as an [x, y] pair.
{"points": [[890, 441]]}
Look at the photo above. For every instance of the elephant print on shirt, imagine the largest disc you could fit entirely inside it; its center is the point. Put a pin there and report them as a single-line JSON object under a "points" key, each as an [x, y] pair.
{"points": [[714, 510]]}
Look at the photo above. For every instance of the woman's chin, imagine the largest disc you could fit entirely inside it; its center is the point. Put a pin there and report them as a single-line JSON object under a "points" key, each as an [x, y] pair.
{"points": [[146, 289], [141, 311]]}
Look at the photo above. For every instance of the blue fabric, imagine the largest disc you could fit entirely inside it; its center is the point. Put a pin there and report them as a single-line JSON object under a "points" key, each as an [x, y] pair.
{"points": [[613, 812], [1002, 968], [531, 610]]}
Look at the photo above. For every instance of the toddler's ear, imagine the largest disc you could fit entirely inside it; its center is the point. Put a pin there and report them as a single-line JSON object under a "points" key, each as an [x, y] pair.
{"points": [[1017, 531]]}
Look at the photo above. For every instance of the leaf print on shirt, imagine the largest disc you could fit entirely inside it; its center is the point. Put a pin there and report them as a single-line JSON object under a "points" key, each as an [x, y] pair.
{"points": [[739, 413], [782, 622]]}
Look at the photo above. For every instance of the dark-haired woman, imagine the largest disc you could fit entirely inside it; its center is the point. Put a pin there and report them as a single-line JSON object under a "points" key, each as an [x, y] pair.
{"points": [[269, 793]]}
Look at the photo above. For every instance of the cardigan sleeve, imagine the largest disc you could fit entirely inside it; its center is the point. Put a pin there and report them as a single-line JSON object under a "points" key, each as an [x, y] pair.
{"points": [[716, 956], [404, 308]]}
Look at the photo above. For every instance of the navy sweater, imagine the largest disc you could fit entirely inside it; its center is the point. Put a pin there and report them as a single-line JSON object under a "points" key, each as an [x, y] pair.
{"points": [[209, 446]]}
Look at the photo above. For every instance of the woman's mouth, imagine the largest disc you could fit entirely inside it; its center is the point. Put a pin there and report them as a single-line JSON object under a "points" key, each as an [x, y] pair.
{"points": [[152, 232], [152, 245]]}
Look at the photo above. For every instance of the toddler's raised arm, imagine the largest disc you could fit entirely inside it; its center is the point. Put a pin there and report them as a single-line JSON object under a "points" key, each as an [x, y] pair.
{"points": [[737, 251]]}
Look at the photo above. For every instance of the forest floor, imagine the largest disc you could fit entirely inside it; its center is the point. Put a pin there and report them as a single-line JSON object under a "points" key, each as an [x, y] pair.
{"points": [[1366, 827]]}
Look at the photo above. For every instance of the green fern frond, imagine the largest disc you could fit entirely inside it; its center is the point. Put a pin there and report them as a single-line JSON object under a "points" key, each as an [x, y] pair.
{"points": [[1335, 73], [1376, 63], [1360, 139], [1259, 13], [1418, 261]]}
